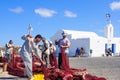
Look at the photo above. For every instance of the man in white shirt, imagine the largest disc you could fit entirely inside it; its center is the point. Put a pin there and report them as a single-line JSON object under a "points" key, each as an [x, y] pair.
{"points": [[29, 47], [63, 45], [46, 52]]}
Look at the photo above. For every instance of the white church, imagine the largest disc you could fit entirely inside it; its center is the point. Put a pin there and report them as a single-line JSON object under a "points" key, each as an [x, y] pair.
{"points": [[93, 44]]}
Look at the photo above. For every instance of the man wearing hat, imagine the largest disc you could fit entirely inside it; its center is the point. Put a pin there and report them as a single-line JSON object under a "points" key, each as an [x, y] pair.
{"points": [[53, 60], [63, 45]]}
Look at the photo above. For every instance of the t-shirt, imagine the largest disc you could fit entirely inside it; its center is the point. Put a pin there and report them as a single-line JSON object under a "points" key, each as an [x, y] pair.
{"points": [[64, 42]]}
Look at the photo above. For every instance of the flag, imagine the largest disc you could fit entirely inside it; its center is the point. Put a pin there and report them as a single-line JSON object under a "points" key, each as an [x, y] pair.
{"points": [[107, 16]]}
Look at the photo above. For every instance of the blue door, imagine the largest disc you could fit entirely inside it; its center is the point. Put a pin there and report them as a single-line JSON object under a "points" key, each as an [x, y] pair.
{"points": [[113, 48]]}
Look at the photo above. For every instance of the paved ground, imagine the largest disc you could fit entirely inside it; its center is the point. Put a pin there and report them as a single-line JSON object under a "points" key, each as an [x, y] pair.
{"points": [[108, 67]]}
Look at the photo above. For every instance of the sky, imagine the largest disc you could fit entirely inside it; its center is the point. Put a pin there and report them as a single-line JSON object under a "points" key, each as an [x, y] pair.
{"points": [[49, 16]]}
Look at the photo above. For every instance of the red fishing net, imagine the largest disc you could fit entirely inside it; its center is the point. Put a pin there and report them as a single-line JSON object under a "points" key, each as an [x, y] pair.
{"points": [[53, 60], [16, 67]]}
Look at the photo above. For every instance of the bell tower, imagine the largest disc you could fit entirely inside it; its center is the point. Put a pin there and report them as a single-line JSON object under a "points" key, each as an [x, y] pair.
{"points": [[109, 31]]}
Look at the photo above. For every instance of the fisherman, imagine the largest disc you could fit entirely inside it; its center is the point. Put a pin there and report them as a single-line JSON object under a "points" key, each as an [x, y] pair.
{"points": [[63, 44], [46, 52], [9, 50], [53, 60], [29, 47], [8, 54]]}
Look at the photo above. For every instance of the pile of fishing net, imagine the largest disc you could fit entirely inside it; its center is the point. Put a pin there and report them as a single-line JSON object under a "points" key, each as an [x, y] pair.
{"points": [[16, 67]]}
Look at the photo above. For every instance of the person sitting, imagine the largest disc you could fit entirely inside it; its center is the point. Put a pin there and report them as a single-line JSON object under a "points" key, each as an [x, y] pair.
{"points": [[109, 52], [82, 51], [77, 52]]}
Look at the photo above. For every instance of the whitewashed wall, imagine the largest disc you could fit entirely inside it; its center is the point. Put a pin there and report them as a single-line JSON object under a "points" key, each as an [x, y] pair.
{"points": [[87, 40], [98, 46]]}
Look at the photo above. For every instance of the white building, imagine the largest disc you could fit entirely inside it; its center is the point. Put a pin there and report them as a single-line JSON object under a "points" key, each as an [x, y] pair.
{"points": [[91, 41]]}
